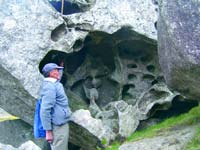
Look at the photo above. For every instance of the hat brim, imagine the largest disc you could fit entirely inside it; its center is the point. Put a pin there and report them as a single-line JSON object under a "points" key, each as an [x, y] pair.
{"points": [[59, 67]]}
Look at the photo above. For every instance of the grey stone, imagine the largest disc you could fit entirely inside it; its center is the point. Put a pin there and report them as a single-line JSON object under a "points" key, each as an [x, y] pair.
{"points": [[158, 94], [111, 48], [98, 130], [17, 133], [15, 98], [25, 30], [178, 45], [29, 145], [172, 140], [127, 119], [109, 16]]}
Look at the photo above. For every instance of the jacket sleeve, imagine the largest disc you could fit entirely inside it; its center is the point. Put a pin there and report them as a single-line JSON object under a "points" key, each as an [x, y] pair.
{"points": [[48, 102]]}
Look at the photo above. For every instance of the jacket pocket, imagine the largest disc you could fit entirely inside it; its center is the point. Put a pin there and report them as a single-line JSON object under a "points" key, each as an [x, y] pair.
{"points": [[67, 113]]}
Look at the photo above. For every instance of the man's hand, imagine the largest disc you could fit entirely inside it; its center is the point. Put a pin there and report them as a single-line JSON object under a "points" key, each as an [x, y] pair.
{"points": [[49, 136]]}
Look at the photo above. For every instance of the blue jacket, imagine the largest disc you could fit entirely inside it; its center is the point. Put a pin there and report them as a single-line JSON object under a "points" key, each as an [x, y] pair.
{"points": [[54, 108]]}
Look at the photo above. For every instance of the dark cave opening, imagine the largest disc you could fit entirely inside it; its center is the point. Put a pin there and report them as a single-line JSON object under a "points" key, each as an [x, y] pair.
{"points": [[132, 66], [71, 61], [125, 92], [148, 77], [151, 68], [159, 113], [100, 46], [71, 146], [178, 106]]}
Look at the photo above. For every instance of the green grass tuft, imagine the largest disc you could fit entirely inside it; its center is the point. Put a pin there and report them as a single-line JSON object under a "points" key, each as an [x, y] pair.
{"points": [[104, 141], [194, 144], [114, 146]]}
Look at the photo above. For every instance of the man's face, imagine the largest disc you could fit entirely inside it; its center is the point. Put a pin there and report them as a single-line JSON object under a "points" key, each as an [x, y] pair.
{"points": [[54, 74]]}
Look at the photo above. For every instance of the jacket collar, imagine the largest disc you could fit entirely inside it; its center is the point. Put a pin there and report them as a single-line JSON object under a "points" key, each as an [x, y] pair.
{"points": [[53, 80]]}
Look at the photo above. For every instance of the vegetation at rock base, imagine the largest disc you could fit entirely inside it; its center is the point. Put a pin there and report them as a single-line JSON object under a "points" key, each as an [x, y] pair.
{"points": [[195, 143], [190, 118]]}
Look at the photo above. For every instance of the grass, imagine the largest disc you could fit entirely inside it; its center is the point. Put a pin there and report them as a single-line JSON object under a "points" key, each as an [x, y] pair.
{"points": [[190, 118], [194, 144], [114, 146]]}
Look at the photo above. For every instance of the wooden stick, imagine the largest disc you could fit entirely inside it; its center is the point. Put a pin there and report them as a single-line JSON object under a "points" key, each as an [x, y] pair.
{"points": [[62, 7]]}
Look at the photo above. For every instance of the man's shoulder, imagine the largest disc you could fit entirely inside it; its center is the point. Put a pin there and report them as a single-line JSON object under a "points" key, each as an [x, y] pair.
{"points": [[48, 85]]}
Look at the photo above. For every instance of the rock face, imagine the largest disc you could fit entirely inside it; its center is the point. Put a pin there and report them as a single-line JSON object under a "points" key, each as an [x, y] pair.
{"points": [[111, 64], [110, 15], [18, 134], [25, 33], [26, 146], [29, 33], [178, 45], [14, 97], [124, 77]]}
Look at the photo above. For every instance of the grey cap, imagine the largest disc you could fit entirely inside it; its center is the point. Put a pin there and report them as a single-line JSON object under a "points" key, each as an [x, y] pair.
{"points": [[49, 67]]}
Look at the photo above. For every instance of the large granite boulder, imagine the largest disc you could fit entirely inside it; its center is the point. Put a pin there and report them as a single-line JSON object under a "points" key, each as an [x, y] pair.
{"points": [[17, 133], [178, 45], [109, 51]]}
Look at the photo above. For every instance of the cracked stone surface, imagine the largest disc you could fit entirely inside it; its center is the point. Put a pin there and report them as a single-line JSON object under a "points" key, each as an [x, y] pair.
{"points": [[178, 45], [110, 56], [171, 140]]}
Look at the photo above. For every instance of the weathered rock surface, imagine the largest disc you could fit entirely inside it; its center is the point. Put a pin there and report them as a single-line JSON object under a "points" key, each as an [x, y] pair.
{"points": [[127, 117], [29, 145], [28, 33], [178, 45], [128, 73], [99, 130], [158, 95], [175, 139], [19, 134], [110, 15], [25, 30], [114, 54], [14, 97]]}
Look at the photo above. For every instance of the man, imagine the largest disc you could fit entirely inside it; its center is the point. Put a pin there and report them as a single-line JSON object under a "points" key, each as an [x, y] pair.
{"points": [[55, 112]]}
